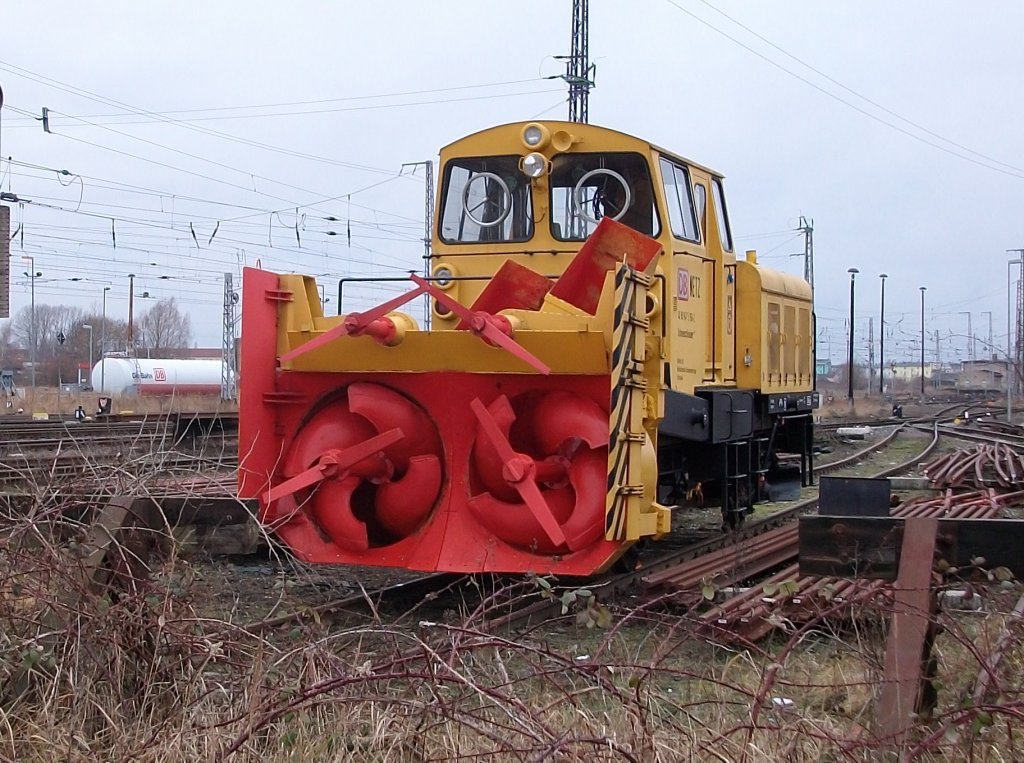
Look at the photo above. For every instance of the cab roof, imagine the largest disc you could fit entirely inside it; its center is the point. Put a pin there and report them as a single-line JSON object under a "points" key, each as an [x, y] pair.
{"points": [[576, 128]]}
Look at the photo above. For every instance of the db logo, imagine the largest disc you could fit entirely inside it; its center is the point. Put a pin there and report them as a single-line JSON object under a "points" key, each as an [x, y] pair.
{"points": [[682, 284], [159, 374]]}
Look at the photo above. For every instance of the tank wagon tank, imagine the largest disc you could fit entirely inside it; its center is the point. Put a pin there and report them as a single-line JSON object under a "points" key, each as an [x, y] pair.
{"points": [[134, 377], [597, 351]]}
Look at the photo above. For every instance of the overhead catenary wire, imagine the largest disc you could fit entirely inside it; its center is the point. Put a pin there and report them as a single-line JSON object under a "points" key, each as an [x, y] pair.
{"points": [[82, 93], [92, 251], [850, 90], [310, 112], [170, 112], [114, 185], [1005, 169], [291, 202], [292, 205]]}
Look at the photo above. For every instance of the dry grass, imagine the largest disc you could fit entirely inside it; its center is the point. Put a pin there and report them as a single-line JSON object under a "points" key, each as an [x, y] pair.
{"points": [[48, 400], [141, 672]]}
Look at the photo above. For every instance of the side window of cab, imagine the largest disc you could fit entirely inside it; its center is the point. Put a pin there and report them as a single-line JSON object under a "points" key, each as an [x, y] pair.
{"points": [[722, 214], [700, 200], [675, 180]]}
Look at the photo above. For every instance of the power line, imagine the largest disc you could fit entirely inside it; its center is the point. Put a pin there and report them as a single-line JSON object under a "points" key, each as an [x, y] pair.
{"points": [[850, 90], [1011, 172], [291, 204], [308, 112], [82, 93], [203, 159], [284, 104], [115, 185]]}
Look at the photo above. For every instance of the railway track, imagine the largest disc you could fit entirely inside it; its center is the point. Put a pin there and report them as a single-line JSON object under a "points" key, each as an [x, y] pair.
{"points": [[44, 453], [752, 613], [831, 426], [431, 587], [731, 548]]}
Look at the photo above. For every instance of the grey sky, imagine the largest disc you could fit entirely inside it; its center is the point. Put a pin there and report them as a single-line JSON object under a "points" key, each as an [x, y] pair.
{"points": [[882, 200]]}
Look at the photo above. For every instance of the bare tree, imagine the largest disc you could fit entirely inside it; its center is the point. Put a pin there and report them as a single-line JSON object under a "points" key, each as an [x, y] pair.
{"points": [[6, 343], [115, 335], [51, 321], [60, 360], [165, 327]]}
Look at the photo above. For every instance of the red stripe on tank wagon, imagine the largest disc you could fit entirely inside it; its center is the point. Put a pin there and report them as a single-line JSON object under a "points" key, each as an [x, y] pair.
{"points": [[156, 390]]}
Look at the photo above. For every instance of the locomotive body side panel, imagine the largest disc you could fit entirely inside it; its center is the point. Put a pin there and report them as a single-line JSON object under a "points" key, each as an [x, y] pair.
{"points": [[688, 336], [776, 342]]}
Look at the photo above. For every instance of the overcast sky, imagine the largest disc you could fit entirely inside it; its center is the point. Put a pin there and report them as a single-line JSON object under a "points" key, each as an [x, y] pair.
{"points": [[195, 129]]}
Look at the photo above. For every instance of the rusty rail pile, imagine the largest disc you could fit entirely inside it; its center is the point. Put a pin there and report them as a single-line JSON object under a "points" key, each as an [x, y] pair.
{"points": [[983, 466], [787, 597], [729, 565]]}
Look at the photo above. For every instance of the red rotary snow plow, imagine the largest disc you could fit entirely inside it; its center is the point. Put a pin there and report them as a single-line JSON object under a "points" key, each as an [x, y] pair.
{"points": [[520, 440]]}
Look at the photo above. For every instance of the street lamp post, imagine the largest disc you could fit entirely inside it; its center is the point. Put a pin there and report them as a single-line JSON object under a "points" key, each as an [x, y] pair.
{"points": [[131, 305], [923, 290], [1011, 361], [33, 274], [970, 334], [849, 364], [881, 341], [88, 326], [103, 343]]}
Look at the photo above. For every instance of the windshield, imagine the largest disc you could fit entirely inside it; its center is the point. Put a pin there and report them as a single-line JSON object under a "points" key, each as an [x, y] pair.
{"points": [[485, 199], [587, 187]]}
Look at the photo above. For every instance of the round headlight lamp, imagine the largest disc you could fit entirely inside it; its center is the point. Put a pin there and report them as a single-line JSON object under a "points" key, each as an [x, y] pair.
{"points": [[534, 165], [535, 135], [444, 277]]}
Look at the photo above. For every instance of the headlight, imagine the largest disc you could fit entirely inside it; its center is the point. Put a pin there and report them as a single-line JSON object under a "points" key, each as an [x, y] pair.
{"points": [[534, 165], [444, 277], [535, 135]]}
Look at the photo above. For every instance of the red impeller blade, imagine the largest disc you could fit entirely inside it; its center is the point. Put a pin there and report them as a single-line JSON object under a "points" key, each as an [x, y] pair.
{"points": [[311, 476], [485, 325], [588, 473], [353, 324], [333, 462], [519, 472], [387, 409], [560, 417], [516, 523], [489, 463], [331, 507], [402, 505]]}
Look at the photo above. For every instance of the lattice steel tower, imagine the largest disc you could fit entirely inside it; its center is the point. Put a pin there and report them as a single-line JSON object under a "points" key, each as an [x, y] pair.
{"points": [[807, 228], [578, 69], [1018, 348], [228, 366]]}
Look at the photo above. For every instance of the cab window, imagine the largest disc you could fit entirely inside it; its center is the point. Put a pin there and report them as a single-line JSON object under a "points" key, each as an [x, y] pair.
{"points": [[676, 181], [588, 187], [485, 199], [723, 216], [700, 200]]}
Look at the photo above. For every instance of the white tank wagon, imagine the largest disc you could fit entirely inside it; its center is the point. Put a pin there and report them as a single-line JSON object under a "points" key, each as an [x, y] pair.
{"points": [[142, 377]]}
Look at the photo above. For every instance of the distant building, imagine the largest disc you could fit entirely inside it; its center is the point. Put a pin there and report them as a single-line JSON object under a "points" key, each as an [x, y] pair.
{"points": [[197, 353], [982, 376], [183, 353], [905, 376]]}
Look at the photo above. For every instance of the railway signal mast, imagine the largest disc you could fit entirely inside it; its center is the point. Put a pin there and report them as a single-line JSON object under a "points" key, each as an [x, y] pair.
{"points": [[579, 72], [428, 217], [806, 227]]}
